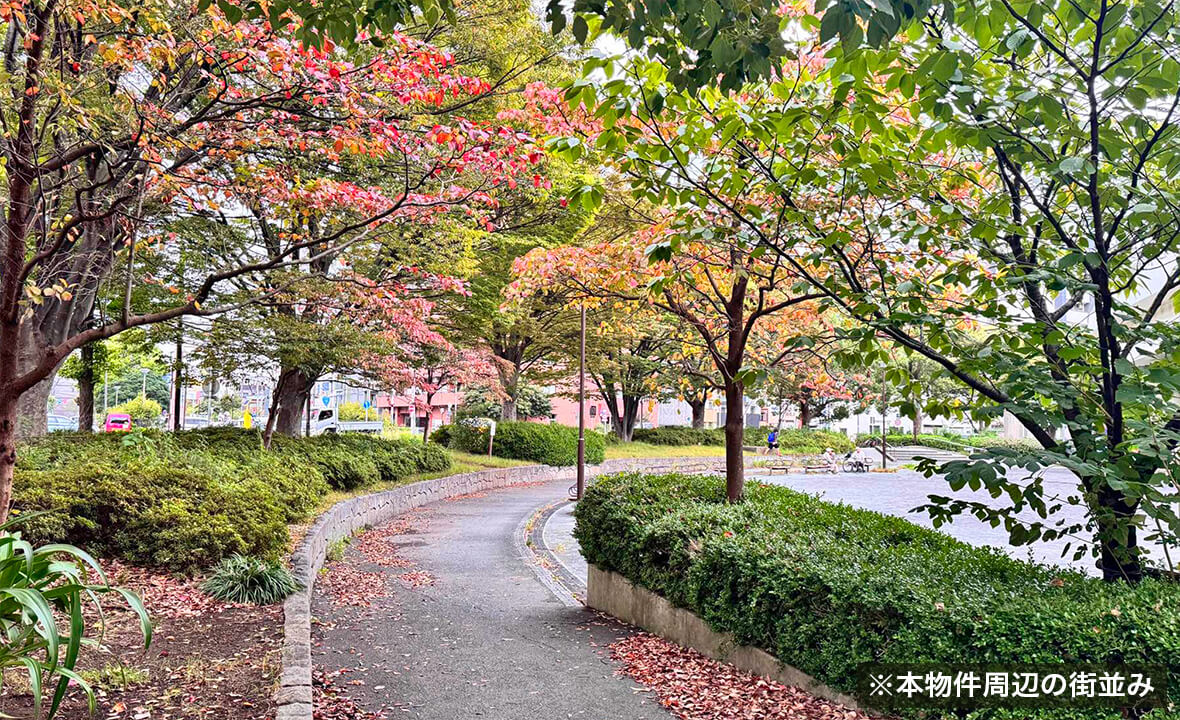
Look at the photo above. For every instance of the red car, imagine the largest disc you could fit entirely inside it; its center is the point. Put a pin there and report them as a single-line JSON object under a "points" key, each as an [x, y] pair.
{"points": [[117, 422]]}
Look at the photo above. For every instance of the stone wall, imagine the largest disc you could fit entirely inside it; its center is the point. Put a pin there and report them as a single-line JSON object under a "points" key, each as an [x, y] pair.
{"points": [[349, 516]]}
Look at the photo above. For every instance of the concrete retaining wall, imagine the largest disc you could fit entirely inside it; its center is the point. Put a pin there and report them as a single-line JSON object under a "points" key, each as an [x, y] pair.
{"points": [[348, 516], [615, 595]]}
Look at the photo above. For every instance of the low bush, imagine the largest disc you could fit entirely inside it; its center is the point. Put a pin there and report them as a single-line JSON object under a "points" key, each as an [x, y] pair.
{"points": [[247, 579], [801, 441], [827, 587], [185, 501], [937, 442], [678, 435], [441, 435], [549, 444], [941, 442]]}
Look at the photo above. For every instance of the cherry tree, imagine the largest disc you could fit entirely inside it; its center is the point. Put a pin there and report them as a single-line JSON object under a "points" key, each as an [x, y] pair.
{"points": [[132, 118]]}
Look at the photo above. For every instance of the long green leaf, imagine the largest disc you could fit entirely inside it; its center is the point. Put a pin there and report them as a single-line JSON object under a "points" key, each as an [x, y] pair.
{"points": [[78, 553], [145, 622], [34, 669], [77, 631], [66, 673], [35, 603]]}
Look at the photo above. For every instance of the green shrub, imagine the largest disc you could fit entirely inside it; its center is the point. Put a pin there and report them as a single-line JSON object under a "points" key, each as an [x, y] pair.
{"points": [[941, 442], [246, 579], [827, 587], [937, 442], [549, 444], [441, 435], [154, 512], [185, 501], [801, 441], [678, 435], [336, 456]]}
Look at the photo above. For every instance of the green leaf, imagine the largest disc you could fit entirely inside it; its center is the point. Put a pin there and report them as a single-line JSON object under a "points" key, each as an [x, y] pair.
{"points": [[580, 29]]}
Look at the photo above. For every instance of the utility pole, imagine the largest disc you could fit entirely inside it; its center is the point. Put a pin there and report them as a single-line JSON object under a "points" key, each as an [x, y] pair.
{"points": [[178, 380], [582, 408], [884, 430]]}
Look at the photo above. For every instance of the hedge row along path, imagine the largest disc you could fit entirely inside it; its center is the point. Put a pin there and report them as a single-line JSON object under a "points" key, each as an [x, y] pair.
{"points": [[437, 616]]}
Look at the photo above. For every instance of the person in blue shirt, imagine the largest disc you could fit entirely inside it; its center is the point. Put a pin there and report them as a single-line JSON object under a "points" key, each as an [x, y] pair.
{"points": [[772, 442]]}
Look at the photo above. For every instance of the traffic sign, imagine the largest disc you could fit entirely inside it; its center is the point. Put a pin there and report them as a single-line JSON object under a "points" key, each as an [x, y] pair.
{"points": [[367, 404], [326, 400]]}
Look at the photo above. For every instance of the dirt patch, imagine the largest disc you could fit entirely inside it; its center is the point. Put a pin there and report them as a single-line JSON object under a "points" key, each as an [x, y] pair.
{"points": [[208, 659]]}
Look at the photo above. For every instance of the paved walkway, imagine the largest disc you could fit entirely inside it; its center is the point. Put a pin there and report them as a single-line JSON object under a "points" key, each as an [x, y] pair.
{"points": [[560, 541], [486, 640]]}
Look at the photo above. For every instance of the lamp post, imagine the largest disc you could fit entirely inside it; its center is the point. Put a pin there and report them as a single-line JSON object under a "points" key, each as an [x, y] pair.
{"points": [[582, 407], [143, 390]]}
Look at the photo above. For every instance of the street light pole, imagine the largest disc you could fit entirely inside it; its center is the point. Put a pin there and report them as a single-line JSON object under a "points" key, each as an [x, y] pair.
{"points": [[582, 408]]}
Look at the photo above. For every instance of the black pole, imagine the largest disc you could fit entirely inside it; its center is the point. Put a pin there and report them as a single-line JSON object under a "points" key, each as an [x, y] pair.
{"points": [[884, 432], [582, 408], [178, 380]]}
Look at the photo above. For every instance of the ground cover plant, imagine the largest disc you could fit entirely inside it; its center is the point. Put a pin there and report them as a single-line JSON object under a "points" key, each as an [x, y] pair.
{"points": [[185, 501], [827, 587], [245, 579]]}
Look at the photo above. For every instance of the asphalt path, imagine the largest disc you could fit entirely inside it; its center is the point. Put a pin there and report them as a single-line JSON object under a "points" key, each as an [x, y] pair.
{"points": [[487, 639]]}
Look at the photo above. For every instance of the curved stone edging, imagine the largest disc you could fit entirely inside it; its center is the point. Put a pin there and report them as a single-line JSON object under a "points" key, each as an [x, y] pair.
{"points": [[294, 697], [617, 596]]}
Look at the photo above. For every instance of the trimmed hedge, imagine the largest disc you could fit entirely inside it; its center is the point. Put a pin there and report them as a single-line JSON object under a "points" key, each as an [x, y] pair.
{"points": [[939, 442], [827, 587], [802, 441], [185, 501], [548, 444], [678, 435]]}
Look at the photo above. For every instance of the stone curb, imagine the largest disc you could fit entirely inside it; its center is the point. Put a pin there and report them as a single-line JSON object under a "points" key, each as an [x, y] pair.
{"points": [[294, 696]]}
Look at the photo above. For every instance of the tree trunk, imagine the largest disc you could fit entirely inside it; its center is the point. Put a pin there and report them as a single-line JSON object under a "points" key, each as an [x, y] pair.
{"points": [[295, 388], [508, 409], [1119, 553], [9, 333], [735, 465], [509, 374], [32, 410], [7, 451], [429, 412], [272, 414], [32, 407], [86, 390], [623, 420], [918, 420], [698, 411], [804, 415]]}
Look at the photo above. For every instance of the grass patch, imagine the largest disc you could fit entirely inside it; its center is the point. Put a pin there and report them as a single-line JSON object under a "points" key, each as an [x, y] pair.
{"points": [[646, 450], [115, 676]]}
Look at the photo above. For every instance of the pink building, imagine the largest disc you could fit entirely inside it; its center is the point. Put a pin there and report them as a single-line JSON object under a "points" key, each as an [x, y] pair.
{"points": [[405, 410], [565, 412]]}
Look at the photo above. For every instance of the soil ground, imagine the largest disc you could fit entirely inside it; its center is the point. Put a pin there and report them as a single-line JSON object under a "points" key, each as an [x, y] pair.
{"points": [[207, 659]]}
